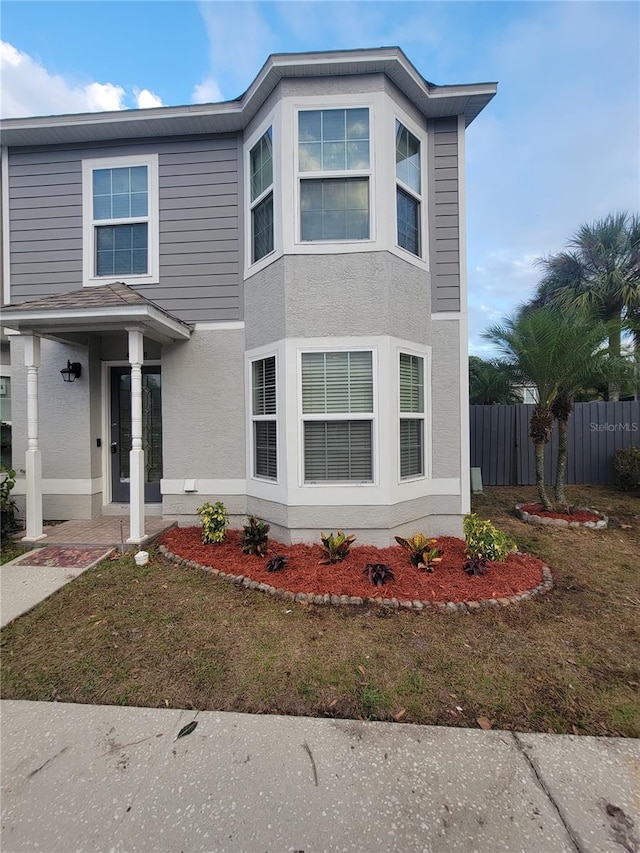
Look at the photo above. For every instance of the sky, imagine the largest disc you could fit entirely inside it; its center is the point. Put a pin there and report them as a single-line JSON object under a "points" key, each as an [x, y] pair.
{"points": [[556, 148]]}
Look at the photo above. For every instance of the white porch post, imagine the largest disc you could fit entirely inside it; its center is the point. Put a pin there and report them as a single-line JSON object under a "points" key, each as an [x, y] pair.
{"points": [[136, 455], [33, 458]]}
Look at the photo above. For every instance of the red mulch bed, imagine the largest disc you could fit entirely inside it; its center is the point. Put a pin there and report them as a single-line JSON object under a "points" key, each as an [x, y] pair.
{"points": [[573, 515], [304, 573]]}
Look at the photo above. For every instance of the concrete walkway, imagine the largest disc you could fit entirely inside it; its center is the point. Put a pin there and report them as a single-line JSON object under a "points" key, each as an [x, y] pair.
{"points": [[94, 778]]}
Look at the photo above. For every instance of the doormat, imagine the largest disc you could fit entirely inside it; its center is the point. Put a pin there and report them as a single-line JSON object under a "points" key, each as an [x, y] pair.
{"points": [[64, 556]]}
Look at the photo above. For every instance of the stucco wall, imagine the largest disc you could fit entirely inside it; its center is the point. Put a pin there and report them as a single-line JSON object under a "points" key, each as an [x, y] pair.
{"points": [[312, 296], [203, 406], [445, 384]]}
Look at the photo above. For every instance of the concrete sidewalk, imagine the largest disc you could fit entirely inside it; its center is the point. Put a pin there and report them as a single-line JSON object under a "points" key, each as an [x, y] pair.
{"points": [[93, 778]]}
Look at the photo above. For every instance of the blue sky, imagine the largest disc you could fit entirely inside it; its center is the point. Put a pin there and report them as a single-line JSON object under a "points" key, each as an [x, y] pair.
{"points": [[557, 147]]}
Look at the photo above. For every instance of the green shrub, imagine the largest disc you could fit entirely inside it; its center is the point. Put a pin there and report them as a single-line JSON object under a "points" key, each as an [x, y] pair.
{"points": [[336, 547], [626, 462], [424, 552], [254, 538], [484, 541], [215, 521], [8, 510]]}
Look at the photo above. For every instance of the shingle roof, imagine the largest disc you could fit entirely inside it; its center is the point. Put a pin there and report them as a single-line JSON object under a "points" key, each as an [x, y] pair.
{"points": [[102, 296]]}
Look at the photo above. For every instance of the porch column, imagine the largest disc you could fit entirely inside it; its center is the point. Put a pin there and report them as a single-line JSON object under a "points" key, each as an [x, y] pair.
{"points": [[136, 454], [33, 458]]}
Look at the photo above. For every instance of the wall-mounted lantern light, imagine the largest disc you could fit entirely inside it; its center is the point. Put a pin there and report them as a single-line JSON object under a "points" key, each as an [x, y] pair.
{"points": [[72, 371]]}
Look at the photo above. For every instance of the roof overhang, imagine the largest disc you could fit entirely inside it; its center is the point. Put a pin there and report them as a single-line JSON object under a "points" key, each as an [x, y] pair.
{"points": [[65, 324], [231, 116]]}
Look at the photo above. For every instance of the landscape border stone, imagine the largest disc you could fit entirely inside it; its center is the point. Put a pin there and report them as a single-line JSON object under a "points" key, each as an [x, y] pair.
{"points": [[544, 521], [355, 601]]}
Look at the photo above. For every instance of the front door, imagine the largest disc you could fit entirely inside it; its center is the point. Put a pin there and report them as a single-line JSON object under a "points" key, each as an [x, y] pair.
{"points": [[121, 432]]}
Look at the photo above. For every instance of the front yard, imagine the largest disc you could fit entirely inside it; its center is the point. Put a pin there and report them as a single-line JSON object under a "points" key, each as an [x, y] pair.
{"points": [[166, 635]]}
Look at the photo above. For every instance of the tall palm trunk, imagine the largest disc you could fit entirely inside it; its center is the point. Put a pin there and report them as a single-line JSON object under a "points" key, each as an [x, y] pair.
{"points": [[540, 427], [561, 470], [615, 346], [561, 410], [539, 452]]}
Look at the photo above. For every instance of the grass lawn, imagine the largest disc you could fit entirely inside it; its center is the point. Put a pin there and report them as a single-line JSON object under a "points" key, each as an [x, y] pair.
{"points": [[165, 635]]}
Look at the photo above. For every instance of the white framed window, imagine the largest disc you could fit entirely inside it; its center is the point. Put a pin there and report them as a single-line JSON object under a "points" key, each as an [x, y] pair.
{"points": [[412, 415], [334, 174], [264, 418], [120, 219], [337, 416], [261, 196], [408, 190]]}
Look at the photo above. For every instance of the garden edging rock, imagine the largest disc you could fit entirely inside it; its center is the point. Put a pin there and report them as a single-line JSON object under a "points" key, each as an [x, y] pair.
{"points": [[545, 521], [392, 603]]}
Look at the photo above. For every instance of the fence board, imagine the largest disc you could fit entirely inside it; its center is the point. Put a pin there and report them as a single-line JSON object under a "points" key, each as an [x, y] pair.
{"points": [[502, 449]]}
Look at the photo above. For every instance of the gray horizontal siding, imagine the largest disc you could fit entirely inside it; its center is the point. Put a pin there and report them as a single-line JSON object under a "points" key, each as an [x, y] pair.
{"points": [[200, 223], [444, 214]]}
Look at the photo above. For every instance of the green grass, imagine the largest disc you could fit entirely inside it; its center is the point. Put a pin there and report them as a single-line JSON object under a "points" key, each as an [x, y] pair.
{"points": [[164, 635]]}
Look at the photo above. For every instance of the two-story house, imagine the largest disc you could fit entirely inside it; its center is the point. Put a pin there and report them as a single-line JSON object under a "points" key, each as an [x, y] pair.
{"points": [[261, 301]]}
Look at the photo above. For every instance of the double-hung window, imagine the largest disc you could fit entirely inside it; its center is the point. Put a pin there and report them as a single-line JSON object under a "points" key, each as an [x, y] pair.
{"points": [[265, 431], [408, 190], [411, 416], [120, 201], [334, 166], [337, 412], [261, 182]]}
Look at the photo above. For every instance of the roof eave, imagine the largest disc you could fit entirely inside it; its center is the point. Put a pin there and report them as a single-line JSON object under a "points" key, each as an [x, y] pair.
{"points": [[232, 116]]}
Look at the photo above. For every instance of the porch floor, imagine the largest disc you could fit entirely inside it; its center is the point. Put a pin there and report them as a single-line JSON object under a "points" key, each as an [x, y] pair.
{"points": [[105, 530]]}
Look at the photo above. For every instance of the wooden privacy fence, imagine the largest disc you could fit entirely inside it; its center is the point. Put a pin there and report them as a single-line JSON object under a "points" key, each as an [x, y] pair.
{"points": [[502, 449]]}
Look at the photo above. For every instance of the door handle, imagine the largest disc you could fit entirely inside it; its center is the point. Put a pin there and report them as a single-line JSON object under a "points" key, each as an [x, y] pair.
{"points": [[114, 447]]}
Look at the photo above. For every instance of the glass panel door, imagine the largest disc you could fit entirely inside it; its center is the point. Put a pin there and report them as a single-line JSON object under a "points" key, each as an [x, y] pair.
{"points": [[121, 432]]}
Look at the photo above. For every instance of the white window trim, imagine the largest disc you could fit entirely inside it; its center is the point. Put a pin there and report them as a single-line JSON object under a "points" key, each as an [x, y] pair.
{"points": [[254, 418], [415, 416], [421, 135], [271, 121], [416, 196], [338, 104], [348, 416], [89, 278]]}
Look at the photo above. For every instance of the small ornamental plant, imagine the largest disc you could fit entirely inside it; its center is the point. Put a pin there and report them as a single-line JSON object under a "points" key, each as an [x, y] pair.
{"points": [[485, 543], [424, 552], [626, 462], [215, 521], [7, 503], [335, 546], [276, 563], [378, 573], [255, 539]]}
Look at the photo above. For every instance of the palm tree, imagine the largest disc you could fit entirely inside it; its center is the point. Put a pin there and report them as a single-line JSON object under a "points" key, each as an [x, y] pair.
{"points": [[490, 383], [553, 350], [600, 273]]}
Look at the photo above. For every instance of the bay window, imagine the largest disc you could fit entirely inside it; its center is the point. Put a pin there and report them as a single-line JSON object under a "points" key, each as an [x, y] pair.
{"points": [[411, 416], [408, 190], [264, 411], [334, 205], [337, 412], [261, 181]]}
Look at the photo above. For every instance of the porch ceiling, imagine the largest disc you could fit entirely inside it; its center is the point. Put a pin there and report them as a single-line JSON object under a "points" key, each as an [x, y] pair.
{"points": [[106, 308]]}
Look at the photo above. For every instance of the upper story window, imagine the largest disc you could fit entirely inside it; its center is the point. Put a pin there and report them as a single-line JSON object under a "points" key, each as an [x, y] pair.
{"points": [[261, 180], [408, 190], [334, 164], [120, 212]]}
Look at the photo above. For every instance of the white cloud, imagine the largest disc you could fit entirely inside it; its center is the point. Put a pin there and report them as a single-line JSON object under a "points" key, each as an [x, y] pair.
{"points": [[27, 88], [146, 99], [206, 92]]}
